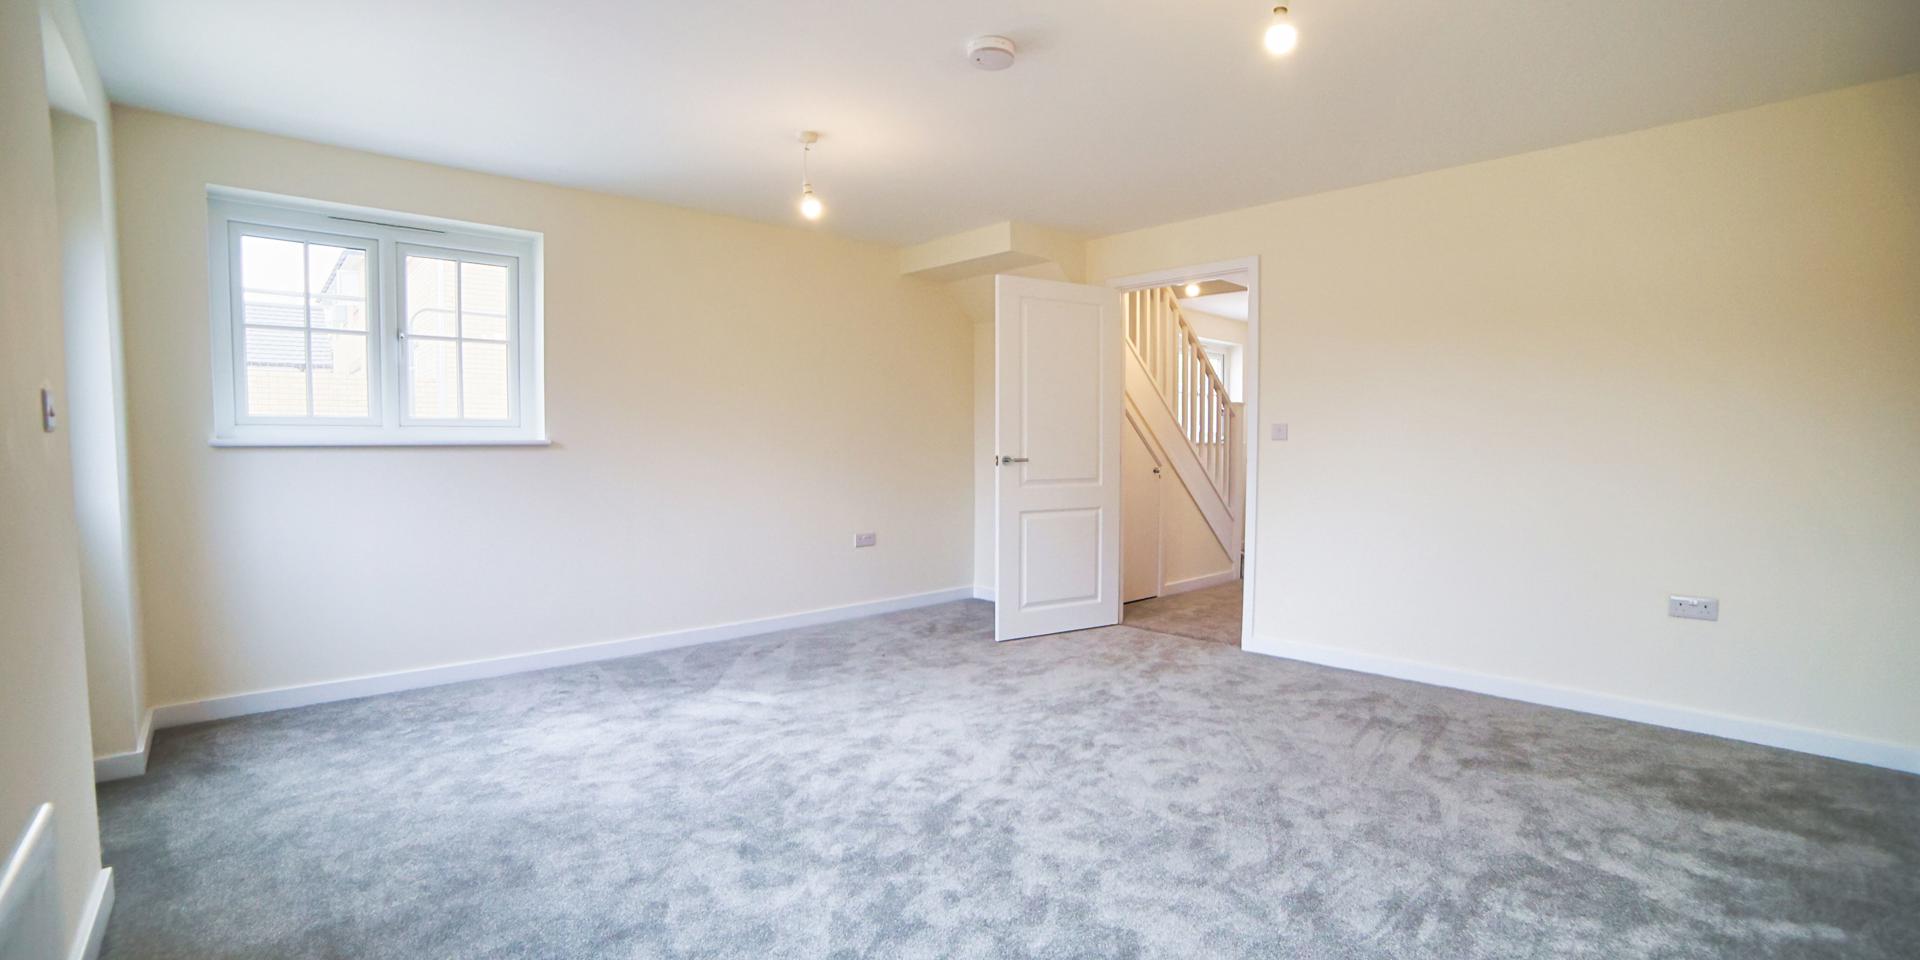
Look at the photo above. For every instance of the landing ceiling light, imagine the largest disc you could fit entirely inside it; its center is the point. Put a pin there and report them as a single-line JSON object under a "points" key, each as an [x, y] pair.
{"points": [[1281, 35]]}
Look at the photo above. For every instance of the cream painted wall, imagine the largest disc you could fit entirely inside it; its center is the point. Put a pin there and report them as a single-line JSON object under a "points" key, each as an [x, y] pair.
{"points": [[983, 454], [45, 745], [729, 402], [1212, 327], [1530, 398]]}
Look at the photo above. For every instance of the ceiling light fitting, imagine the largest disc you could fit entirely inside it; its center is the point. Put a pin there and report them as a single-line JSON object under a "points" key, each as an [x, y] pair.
{"points": [[1281, 36], [810, 205]]}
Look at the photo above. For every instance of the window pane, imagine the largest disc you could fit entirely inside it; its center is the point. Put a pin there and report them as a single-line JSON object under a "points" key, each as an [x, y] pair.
{"points": [[272, 265], [334, 314], [431, 292], [485, 376], [337, 271], [274, 309], [433, 379], [483, 301], [276, 372], [339, 374]]}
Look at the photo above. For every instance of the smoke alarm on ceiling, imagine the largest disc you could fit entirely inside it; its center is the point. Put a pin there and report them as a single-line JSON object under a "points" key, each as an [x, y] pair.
{"points": [[991, 53]]}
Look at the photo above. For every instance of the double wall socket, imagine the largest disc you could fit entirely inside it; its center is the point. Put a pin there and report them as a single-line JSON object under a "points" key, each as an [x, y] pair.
{"points": [[1693, 608]]}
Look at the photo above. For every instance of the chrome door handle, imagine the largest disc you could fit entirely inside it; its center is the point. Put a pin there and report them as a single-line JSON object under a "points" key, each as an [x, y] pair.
{"points": [[1002, 461]]}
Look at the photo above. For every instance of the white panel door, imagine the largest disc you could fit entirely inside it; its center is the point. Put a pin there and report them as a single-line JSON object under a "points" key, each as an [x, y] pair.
{"points": [[1058, 394]]}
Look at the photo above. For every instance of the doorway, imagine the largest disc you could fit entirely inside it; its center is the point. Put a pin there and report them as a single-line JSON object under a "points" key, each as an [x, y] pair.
{"points": [[1188, 458]]}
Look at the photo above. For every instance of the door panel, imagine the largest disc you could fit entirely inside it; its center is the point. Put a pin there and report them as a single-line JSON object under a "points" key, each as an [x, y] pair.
{"points": [[1060, 410], [1058, 402], [1139, 516], [1061, 562]]}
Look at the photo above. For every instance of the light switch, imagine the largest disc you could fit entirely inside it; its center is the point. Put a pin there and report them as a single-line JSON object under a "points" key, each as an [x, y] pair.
{"points": [[865, 540], [1279, 431]]}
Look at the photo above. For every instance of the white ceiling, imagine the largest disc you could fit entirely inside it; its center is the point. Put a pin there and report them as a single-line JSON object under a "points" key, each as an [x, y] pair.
{"points": [[1232, 306], [695, 102]]}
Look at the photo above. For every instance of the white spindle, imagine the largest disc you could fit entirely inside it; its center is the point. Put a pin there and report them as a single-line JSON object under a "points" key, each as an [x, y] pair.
{"points": [[1177, 363]]}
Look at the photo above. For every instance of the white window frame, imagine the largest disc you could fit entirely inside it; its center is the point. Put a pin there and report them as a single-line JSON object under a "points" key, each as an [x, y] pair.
{"points": [[515, 336], [1230, 365], [387, 237]]}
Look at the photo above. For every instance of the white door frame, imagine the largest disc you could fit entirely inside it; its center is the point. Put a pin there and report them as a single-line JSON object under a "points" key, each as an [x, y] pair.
{"points": [[1250, 389]]}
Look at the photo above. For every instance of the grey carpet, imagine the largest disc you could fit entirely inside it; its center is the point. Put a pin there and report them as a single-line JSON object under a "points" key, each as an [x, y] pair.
{"points": [[903, 787], [1212, 614]]}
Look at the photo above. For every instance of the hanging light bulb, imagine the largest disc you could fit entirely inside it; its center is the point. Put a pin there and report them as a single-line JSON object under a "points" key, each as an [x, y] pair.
{"points": [[810, 205], [1281, 36]]}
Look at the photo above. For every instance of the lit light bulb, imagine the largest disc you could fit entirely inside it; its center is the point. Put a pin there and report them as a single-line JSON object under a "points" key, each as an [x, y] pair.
{"points": [[1193, 289], [810, 205], [1281, 37]]}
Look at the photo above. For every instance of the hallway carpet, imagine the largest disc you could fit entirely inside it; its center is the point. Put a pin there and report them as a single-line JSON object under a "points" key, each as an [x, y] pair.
{"points": [[1212, 614], [902, 787]]}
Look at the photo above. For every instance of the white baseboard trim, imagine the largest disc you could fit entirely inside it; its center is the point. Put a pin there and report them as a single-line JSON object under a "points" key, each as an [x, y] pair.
{"points": [[241, 704], [133, 763], [1166, 590], [93, 919], [1190, 584], [1892, 756]]}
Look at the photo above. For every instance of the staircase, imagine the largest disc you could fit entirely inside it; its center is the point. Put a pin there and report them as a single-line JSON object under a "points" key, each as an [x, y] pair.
{"points": [[1174, 388]]}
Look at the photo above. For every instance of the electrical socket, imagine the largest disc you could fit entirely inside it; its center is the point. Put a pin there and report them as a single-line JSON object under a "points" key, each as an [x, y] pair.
{"points": [[1693, 608], [865, 540]]}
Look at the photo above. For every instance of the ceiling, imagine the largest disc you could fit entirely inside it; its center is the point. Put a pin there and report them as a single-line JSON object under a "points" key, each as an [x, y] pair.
{"points": [[1232, 306], [1093, 130]]}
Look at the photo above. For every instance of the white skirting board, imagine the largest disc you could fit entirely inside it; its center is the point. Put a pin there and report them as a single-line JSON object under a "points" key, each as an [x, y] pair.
{"points": [[1190, 584], [240, 704], [1168, 590], [30, 898], [133, 763], [1876, 753], [93, 920]]}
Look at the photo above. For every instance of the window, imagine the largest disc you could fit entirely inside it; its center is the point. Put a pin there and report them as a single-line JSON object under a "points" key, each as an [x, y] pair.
{"points": [[1217, 357], [1224, 357], [344, 326]]}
